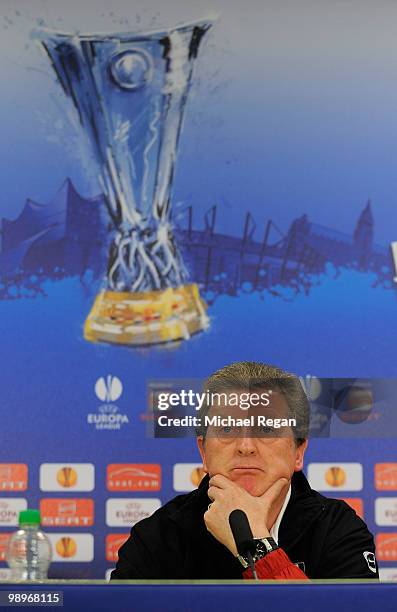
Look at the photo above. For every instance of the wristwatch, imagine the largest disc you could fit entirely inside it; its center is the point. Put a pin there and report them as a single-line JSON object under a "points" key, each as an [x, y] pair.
{"points": [[263, 546]]}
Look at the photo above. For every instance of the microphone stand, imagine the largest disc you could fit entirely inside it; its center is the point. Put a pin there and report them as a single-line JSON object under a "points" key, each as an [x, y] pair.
{"points": [[251, 564]]}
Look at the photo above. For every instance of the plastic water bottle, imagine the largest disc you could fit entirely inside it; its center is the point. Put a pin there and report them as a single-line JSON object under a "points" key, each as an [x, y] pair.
{"points": [[29, 550]]}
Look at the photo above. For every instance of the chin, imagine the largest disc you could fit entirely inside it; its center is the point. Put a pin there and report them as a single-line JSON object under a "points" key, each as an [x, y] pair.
{"points": [[251, 485]]}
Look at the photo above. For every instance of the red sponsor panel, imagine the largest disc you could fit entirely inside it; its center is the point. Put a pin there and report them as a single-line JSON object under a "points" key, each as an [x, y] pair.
{"points": [[386, 476], [133, 477], [357, 504], [386, 546], [4, 538], [66, 512], [113, 543], [13, 476]]}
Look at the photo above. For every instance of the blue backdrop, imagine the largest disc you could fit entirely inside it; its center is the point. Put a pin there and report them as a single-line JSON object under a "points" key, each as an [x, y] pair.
{"points": [[291, 115]]}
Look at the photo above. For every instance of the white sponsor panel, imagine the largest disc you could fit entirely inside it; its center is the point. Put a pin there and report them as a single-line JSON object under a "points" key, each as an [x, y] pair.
{"points": [[108, 573], [5, 573], [67, 477], [126, 511], [72, 547], [335, 476], [10, 507], [185, 476], [386, 511], [388, 574]]}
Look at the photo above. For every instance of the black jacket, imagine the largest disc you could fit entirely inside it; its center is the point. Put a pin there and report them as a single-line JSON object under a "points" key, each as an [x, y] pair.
{"points": [[325, 534]]}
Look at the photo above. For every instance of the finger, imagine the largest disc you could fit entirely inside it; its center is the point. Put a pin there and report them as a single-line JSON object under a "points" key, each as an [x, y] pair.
{"points": [[208, 516], [214, 493], [274, 491], [223, 483], [220, 481]]}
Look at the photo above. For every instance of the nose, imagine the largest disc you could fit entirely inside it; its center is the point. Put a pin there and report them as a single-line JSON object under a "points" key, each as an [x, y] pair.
{"points": [[246, 445]]}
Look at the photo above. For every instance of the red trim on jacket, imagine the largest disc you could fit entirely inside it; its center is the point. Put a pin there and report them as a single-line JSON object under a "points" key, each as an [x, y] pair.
{"points": [[276, 565]]}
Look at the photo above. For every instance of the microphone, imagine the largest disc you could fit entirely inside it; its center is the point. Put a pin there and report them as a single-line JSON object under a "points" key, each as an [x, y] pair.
{"points": [[243, 537]]}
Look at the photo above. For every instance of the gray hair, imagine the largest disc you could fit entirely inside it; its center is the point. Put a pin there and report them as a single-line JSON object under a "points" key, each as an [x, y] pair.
{"points": [[250, 376]]}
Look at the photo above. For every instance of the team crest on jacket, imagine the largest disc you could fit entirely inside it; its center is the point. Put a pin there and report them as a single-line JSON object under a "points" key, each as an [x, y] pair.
{"points": [[371, 560]]}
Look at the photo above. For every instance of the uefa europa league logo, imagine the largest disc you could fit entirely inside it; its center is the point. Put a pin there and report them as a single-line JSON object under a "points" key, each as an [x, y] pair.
{"points": [[130, 92]]}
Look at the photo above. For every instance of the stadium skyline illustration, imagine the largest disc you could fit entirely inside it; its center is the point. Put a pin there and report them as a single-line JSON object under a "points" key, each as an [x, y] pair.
{"points": [[70, 236]]}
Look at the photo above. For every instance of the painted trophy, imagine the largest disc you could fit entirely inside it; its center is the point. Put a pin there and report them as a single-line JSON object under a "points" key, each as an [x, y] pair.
{"points": [[130, 92]]}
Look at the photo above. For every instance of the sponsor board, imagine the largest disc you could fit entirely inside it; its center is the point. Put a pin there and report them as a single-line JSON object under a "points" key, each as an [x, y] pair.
{"points": [[386, 546], [10, 507], [133, 477], [356, 503], [386, 511], [67, 477], [388, 574], [335, 476], [67, 512], [13, 476], [4, 539], [386, 476], [187, 476], [126, 511], [72, 547], [113, 543]]}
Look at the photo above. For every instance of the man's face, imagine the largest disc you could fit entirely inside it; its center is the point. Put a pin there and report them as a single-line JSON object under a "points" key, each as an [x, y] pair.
{"points": [[254, 462]]}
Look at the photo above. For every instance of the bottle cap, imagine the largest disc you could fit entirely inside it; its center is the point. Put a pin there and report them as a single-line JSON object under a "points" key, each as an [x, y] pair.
{"points": [[29, 517]]}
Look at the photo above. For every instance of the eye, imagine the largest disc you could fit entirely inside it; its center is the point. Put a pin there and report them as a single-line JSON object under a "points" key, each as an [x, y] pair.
{"points": [[226, 429], [265, 429]]}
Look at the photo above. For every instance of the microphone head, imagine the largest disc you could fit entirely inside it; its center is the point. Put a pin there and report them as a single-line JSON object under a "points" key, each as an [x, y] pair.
{"points": [[241, 531]]}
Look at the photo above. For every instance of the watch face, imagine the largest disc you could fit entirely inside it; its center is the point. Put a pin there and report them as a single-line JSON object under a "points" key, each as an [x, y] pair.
{"points": [[263, 547], [261, 550]]}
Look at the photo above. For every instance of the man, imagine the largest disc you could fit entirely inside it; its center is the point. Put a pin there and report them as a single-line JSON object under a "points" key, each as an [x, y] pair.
{"points": [[297, 533]]}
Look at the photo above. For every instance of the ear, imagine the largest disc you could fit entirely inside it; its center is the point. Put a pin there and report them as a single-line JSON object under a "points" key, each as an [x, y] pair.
{"points": [[200, 444], [300, 453]]}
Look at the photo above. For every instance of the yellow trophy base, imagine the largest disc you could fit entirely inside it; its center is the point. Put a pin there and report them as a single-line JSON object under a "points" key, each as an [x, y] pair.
{"points": [[150, 317]]}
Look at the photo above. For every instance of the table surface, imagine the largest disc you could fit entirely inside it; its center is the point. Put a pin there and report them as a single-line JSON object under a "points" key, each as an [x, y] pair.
{"points": [[205, 596]]}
